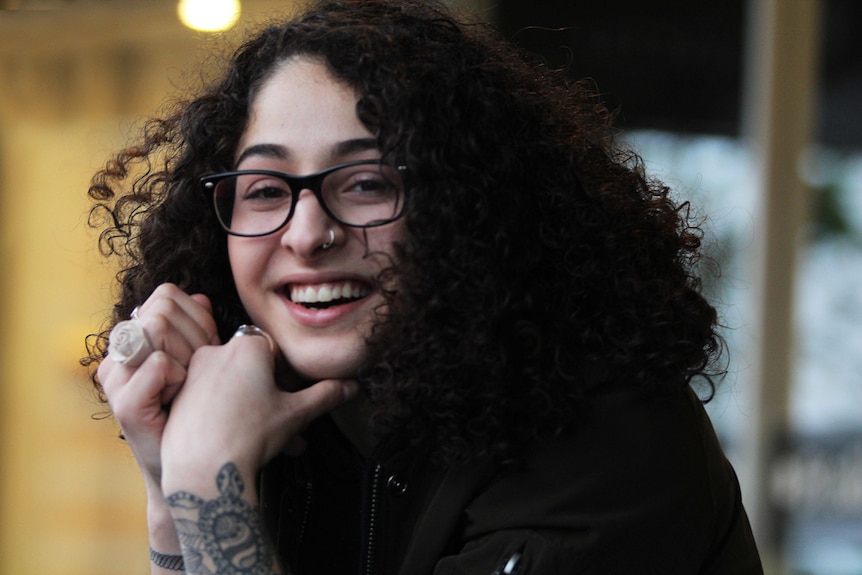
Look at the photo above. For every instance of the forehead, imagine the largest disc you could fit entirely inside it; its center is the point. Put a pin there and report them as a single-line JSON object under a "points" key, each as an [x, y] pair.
{"points": [[302, 106]]}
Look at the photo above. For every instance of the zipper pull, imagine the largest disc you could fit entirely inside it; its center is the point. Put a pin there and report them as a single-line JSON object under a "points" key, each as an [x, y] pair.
{"points": [[510, 567]]}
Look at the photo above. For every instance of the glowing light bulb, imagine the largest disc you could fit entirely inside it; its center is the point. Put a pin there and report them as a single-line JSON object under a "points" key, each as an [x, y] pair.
{"points": [[209, 15]]}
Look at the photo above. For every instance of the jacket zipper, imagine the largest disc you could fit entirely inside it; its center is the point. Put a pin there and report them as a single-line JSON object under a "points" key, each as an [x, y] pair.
{"points": [[306, 512], [372, 522]]}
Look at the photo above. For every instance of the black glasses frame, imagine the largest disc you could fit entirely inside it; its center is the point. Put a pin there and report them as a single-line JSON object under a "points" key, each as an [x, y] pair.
{"points": [[311, 182]]}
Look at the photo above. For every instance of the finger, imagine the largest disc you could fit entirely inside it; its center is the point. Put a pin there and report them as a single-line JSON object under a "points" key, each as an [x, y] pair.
{"points": [[137, 395], [172, 334], [173, 381], [177, 323], [160, 376], [207, 316], [106, 366], [202, 301], [310, 403], [257, 339], [184, 315], [192, 314]]}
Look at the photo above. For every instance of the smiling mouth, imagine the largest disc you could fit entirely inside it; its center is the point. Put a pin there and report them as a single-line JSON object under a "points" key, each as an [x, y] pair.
{"points": [[322, 296]]}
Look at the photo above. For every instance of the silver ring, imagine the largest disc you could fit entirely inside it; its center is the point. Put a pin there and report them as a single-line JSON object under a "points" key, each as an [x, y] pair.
{"points": [[128, 343], [247, 329], [328, 243]]}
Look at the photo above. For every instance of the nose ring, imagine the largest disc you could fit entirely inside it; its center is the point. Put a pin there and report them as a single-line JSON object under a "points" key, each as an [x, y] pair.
{"points": [[330, 241]]}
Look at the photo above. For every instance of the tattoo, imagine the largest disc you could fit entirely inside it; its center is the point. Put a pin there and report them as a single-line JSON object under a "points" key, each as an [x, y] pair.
{"points": [[222, 536]]}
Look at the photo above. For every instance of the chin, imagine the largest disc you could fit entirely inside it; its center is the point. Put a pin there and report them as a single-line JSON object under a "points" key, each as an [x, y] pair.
{"points": [[325, 369]]}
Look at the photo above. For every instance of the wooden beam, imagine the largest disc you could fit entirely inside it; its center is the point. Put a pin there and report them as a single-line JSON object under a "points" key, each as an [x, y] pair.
{"points": [[781, 72]]}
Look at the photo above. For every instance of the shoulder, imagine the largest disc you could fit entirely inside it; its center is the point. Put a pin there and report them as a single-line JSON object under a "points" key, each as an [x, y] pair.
{"points": [[641, 474], [626, 447]]}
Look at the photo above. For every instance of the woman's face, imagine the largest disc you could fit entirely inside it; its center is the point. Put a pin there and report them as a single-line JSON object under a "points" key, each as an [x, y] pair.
{"points": [[303, 121]]}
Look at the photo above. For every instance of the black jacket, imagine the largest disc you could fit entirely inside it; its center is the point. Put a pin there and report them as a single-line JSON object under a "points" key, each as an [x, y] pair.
{"points": [[639, 486]]}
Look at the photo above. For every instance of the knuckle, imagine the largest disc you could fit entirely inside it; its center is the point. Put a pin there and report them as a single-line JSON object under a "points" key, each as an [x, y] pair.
{"points": [[159, 360], [165, 306], [166, 290], [112, 380], [158, 328], [122, 408]]}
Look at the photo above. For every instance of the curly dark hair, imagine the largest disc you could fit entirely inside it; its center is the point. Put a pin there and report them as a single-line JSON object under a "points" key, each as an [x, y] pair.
{"points": [[540, 263]]}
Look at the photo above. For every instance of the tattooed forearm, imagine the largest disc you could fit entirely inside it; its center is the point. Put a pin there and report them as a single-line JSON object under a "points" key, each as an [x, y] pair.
{"points": [[222, 536]]}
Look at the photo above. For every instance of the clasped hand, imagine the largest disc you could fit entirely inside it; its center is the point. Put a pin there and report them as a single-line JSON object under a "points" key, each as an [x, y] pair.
{"points": [[195, 403]]}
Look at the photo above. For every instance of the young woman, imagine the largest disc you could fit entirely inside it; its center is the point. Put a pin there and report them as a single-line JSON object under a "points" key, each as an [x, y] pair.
{"points": [[469, 324]]}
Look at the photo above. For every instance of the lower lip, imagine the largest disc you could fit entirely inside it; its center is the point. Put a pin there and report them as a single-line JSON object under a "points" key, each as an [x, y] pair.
{"points": [[309, 317]]}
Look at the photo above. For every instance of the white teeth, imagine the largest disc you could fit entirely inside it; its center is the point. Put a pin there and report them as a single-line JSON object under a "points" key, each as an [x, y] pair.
{"points": [[310, 296], [328, 292]]}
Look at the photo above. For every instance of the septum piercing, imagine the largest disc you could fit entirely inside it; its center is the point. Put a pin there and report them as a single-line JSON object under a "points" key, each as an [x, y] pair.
{"points": [[330, 241]]}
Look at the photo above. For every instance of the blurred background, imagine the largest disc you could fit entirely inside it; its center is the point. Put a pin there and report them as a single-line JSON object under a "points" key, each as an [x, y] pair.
{"points": [[752, 109]]}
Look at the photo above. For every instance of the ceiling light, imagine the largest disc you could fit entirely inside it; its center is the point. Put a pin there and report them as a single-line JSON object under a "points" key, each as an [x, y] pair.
{"points": [[209, 15]]}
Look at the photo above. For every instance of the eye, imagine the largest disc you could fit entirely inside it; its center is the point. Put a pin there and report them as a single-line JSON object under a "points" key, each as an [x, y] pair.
{"points": [[261, 189], [367, 183], [364, 184], [266, 193]]}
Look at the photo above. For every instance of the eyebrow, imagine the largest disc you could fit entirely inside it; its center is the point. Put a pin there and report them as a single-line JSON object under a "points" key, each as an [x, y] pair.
{"points": [[348, 147], [277, 152], [264, 150]]}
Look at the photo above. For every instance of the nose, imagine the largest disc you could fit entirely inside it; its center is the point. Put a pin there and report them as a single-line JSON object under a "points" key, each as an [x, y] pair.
{"points": [[309, 227]]}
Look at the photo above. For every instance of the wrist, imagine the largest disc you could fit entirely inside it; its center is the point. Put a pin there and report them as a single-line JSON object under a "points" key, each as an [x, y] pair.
{"points": [[160, 522], [199, 475], [200, 515]]}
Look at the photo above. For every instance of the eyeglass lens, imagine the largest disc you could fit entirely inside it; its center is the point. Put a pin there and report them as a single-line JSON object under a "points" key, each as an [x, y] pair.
{"points": [[259, 203]]}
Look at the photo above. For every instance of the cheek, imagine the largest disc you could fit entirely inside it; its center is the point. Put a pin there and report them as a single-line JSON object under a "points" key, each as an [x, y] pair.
{"points": [[247, 263], [382, 239]]}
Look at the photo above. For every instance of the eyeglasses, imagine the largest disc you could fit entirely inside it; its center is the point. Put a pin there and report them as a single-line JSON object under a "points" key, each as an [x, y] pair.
{"points": [[360, 194]]}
